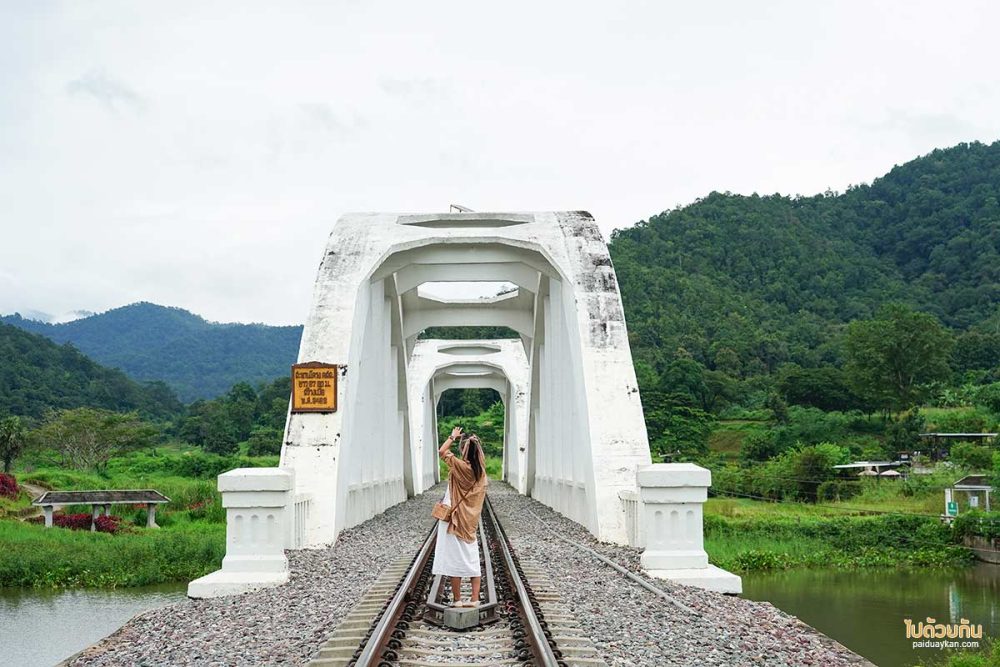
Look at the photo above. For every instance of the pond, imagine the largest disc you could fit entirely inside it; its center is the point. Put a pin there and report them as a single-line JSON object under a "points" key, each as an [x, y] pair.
{"points": [[865, 610], [38, 628]]}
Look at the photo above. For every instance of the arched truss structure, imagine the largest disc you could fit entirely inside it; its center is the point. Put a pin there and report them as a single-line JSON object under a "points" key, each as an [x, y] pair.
{"points": [[579, 434], [439, 365]]}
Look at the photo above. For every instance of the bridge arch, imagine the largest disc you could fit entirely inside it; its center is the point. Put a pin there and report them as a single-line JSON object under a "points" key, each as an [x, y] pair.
{"points": [[580, 433], [434, 369]]}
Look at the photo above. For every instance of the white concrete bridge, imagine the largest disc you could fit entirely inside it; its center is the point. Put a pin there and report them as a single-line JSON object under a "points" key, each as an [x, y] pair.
{"points": [[574, 435], [579, 403]]}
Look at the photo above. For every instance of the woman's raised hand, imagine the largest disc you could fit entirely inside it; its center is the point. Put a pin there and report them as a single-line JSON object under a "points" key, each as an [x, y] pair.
{"points": [[456, 433]]}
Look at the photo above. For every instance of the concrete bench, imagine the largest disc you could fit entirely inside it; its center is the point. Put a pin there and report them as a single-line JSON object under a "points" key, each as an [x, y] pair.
{"points": [[97, 500]]}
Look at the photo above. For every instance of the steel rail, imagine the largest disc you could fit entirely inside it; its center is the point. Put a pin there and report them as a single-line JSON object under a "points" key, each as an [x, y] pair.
{"points": [[371, 654], [540, 643]]}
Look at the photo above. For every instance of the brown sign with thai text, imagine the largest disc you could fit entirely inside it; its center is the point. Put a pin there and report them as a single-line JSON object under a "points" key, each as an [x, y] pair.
{"points": [[314, 387]]}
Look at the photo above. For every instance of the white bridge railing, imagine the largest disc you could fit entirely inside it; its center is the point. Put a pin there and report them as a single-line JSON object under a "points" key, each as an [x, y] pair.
{"points": [[632, 504], [303, 506]]}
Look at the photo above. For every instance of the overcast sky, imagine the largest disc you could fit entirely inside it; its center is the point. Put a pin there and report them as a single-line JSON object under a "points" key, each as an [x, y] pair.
{"points": [[197, 154]]}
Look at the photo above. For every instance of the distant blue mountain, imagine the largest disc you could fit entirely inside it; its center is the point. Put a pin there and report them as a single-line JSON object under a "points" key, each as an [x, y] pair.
{"points": [[195, 357]]}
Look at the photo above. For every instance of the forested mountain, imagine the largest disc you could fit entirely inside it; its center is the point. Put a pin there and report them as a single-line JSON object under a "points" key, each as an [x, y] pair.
{"points": [[37, 375], [739, 284], [195, 357], [745, 283]]}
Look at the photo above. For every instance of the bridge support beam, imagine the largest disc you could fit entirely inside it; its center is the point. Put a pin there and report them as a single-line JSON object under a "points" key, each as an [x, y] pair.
{"points": [[672, 497]]}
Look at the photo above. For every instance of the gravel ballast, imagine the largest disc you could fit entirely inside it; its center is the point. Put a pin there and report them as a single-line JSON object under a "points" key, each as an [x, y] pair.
{"points": [[633, 626], [274, 626], [628, 624]]}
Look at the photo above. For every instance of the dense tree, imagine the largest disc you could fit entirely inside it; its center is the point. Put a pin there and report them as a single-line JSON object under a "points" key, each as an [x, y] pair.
{"points": [[13, 437], [466, 402], [894, 357], [674, 426], [195, 357], [88, 438], [243, 414], [903, 433], [488, 425], [37, 375], [972, 456], [824, 387], [975, 350], [263, 441], [746, 283]]}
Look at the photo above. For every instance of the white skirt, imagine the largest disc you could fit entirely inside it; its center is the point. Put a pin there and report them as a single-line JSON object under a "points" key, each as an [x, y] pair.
{"points": [[452, 556]]}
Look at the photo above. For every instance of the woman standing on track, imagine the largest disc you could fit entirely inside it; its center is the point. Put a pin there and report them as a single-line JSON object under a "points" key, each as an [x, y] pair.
{"points": [[456, 553]]}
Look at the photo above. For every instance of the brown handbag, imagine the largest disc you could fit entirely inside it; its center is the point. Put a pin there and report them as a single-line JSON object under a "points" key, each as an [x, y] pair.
{"points": [[443, 512]]}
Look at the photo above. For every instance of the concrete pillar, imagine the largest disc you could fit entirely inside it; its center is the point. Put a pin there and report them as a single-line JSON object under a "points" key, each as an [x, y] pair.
{"points": [[259, 509], [672, 496], [151, 515], [95, 511], [47, 510]]}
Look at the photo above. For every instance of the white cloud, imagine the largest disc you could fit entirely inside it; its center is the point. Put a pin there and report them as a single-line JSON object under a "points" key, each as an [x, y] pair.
{"points": [[114, 95], [198, 154]]}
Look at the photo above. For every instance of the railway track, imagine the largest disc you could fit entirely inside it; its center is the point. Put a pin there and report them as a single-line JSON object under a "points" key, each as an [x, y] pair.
{"points": [[404, 618]]}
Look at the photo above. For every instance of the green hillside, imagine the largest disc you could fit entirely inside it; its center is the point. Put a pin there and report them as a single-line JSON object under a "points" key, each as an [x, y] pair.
{"points": [[742, 285], [37, 374], [195, 357], [746, 283]]}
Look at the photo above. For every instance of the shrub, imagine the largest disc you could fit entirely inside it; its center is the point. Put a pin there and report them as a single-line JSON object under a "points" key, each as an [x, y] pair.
{"points": [[264, 441], [959, 421], [977, 523], [82, 520], [108, 523], [838, 489], [759, 446], [43, 558], [8, 486], [975, 457], [757, 560]]}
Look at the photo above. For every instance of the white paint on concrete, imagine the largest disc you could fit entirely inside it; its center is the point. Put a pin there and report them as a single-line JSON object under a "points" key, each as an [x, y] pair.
{"points": [[258, 504], [672, 496], [581, 425]]}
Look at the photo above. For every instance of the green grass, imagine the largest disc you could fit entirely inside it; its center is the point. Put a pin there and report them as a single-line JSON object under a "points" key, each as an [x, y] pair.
{"points": [[990, 657], [728, 436], [742, 537], [14, 507], [35, 556], [190, 499], [190, 542]]}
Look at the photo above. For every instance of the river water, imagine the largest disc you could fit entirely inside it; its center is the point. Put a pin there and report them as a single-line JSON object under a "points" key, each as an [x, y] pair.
{"points": [[864, 611], [38, 628]]}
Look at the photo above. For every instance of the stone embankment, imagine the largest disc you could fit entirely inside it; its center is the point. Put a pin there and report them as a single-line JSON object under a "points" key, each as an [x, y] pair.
{"points": [[628, 624]]}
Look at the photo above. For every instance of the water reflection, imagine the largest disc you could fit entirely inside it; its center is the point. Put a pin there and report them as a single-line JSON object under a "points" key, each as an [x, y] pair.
{"points": [[38, 628], [865, 610]]}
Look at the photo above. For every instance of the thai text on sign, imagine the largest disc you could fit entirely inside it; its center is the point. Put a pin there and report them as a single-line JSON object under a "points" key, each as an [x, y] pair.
{"points": [[314, 387]]}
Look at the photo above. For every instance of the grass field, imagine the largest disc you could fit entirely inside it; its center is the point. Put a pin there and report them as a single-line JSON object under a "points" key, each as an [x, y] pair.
{"points": [[769, 541], [35, 556], [189, 543], [728, 435]]}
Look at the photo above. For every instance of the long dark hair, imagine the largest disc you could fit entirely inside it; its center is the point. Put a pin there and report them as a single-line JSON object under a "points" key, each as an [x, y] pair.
{"points": [[472, 455]]}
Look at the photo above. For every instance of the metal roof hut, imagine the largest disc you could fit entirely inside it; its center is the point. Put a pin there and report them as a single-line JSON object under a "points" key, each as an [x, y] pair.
{"points": [[973, 488]]}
